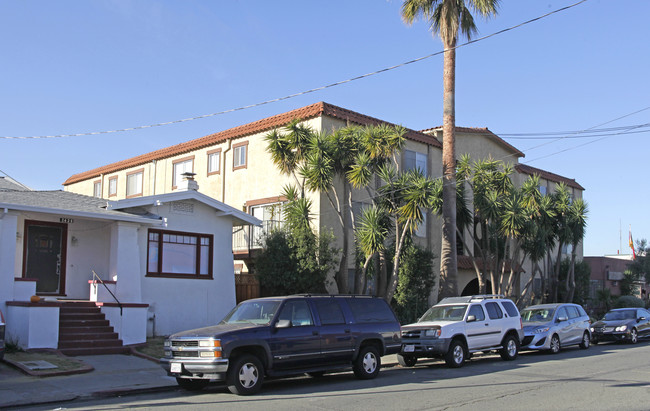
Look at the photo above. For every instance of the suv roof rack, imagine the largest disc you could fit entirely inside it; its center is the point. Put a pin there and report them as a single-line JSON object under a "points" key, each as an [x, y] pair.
{"points": [[470, 298]]}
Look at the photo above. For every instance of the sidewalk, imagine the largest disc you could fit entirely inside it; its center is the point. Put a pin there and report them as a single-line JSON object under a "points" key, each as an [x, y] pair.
{"points": [[113, 375]]}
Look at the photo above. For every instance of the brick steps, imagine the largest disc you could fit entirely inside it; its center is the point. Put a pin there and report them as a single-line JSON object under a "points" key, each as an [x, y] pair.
{"points": [[84, 330]]}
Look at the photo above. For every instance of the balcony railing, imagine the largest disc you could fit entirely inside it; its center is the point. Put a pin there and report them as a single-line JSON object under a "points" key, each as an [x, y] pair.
{"points": [[248, 237]]}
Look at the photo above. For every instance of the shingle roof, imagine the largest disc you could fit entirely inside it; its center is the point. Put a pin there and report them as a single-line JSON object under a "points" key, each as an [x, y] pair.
{"points": [[485, 131], [7, 184], [269, 123], [62, 202], [547, 175]]}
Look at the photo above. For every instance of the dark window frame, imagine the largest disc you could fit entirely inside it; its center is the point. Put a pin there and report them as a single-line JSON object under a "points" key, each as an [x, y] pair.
{"points": [[196, 275]]}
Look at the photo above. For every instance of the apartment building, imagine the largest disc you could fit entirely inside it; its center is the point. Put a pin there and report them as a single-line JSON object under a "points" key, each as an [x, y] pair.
{"points": [[234, 167]]}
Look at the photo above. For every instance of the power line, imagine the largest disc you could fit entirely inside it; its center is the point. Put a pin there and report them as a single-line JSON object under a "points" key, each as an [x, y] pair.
{"points": [[553, 134], [313, 90]]}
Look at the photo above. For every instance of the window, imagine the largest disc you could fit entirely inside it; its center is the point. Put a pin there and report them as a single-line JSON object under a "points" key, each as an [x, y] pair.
{"points": [[542, 190], [510, 308], [112, 186], [177, 254], [573, 311], [370, 310], [134, 183], [97, 188], [494, 311], [240, 154], [329, 311], [561, 313], [414, 160], [477, 312], [184, 165], [214, 161], [297, 312]]}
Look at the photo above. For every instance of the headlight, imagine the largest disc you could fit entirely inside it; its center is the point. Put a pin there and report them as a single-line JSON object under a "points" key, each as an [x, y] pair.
{"points": [[592, 329], [540, 330], [435, 332], [210, 343], [621, 328], [167, 343]]}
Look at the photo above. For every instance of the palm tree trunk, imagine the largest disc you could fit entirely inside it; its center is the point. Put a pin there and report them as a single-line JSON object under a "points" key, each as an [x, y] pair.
{"points": [[571, 288], [448, 258]]}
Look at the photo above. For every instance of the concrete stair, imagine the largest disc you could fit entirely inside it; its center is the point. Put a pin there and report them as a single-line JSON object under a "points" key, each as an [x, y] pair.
{"points": [[84, 330]]}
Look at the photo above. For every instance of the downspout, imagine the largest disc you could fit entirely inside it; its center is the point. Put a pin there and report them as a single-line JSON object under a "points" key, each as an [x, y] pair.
{"points": [[153, 162], [223, 174]]}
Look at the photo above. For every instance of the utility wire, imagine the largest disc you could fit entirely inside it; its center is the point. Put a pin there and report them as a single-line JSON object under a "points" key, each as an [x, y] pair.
{"points": [[313, 90]]}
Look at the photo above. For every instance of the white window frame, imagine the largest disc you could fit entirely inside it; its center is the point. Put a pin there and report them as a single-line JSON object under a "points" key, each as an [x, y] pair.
{"points": [[180, 167], [112, 186], [97, 189], [240, 156], [137, 185], [214, 162]]}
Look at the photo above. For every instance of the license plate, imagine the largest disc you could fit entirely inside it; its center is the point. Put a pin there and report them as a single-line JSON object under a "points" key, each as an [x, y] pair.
{"points": [[176, 367], [409, 348]]}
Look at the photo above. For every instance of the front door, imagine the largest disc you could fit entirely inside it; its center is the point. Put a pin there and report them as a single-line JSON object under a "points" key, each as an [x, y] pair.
{"points": [[44, 255]]}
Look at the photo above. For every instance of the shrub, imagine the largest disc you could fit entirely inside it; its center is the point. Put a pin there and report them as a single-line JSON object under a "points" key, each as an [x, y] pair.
{"points": [[416, 280], [629, 301]]}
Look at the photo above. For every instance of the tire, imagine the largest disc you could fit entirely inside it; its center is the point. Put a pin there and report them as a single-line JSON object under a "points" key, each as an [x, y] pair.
{"points": [[555, 344], [245, 375], [406, 360], [367, 364], [594, 341], [192, 384], [510, 348], [634, 336], [586, 341], [455, 357]]}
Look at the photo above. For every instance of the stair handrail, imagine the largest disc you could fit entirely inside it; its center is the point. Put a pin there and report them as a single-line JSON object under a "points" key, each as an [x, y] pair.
{"points": [[119, 304]]}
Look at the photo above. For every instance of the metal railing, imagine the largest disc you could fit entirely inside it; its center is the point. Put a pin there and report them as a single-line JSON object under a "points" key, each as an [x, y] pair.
{"points": [[119, 304], [250, 237]]}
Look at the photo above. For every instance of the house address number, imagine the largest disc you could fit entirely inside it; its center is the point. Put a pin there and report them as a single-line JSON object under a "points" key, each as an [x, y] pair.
{"points": [[66, 220]]}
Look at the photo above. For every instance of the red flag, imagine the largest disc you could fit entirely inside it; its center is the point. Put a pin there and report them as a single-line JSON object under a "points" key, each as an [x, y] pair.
{"points": [[632, 246]]}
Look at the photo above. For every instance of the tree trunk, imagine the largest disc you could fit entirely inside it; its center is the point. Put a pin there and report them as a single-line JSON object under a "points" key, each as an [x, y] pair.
{"points": [[342, 275], [394, 278], [382, 274], [448, 258], [556, 274], [571, 278]]}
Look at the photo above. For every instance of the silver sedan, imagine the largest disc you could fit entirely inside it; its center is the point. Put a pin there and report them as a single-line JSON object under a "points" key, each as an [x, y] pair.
{"points": [[553, 326]]}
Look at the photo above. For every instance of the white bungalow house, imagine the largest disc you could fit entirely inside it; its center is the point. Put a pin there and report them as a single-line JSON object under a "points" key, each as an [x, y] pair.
{"points": [[162, 263]]}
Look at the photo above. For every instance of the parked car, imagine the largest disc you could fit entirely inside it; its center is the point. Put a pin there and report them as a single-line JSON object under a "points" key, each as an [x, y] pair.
{"points": [[554, 326], [456, 327], [2, 335], [282, 336], [622, 324]]}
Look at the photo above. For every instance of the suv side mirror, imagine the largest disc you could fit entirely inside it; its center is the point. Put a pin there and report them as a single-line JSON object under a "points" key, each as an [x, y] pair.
{"points": [[471, 318], [640, 319], [283, 324], [560, 319]]}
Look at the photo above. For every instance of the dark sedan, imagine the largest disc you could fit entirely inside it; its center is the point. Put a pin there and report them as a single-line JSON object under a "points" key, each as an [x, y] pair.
{"points": [[622, 324]]}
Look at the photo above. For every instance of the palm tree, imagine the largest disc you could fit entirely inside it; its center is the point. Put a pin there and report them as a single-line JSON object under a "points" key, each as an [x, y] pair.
{"points": [[577, 222], [448, 19]]}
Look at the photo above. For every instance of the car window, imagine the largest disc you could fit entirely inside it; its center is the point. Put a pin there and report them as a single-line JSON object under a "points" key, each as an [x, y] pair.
{"points": [[573, 312], [561, 312], [297, 312], [370, 310], [494, 311], [511, 309], [477, 311], [531, 315], [329, 311], [582, 311]]}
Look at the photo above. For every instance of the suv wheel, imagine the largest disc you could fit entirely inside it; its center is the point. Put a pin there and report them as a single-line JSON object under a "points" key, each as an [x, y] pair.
{"points": [[406, 360], [510, 348], [367, 364], [192, 384], [586, 341], [245, 375], [555, 344], [455, 356]]}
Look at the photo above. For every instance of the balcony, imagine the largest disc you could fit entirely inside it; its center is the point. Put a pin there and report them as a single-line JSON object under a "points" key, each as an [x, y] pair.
{"points": [[246, 238]]}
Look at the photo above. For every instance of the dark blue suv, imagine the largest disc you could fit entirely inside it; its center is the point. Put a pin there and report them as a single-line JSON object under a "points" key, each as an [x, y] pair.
{"points": [[281, 336]]}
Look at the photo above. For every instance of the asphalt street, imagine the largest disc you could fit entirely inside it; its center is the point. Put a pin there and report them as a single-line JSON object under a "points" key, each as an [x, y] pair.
{"points": [[604, 377]]}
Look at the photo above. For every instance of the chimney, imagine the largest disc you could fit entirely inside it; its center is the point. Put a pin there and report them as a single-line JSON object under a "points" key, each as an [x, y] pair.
{"points": [[188, 182]]}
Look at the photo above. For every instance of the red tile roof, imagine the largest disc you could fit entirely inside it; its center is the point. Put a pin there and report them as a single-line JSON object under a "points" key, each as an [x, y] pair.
{"points": [[484, 131], [269, 123], [547, 175]]}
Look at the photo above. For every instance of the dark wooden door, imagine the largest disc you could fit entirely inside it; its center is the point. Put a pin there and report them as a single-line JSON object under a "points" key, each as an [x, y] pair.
{"points": [[44, 256]]}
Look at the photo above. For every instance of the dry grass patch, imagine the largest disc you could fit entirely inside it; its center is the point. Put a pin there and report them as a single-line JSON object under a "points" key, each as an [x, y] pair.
{"points": [[153, 348], [67, 365]]}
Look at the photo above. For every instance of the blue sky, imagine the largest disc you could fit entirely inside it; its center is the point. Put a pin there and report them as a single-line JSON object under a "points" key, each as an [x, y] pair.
{"points": [[84, 66]]}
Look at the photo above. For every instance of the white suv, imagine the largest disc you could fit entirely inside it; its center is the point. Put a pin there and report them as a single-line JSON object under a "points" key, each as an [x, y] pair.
{"points": [[456, 327]]}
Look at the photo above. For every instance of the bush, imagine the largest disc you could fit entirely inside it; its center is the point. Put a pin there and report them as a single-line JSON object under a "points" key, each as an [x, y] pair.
{"points": [[625, 301], [294, 262], [416, 280]]}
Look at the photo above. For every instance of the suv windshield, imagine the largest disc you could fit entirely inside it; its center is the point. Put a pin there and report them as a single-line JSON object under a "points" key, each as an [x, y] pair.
{"points": [[444, 313], [256, 312], [620, 315], [537, 315]]}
